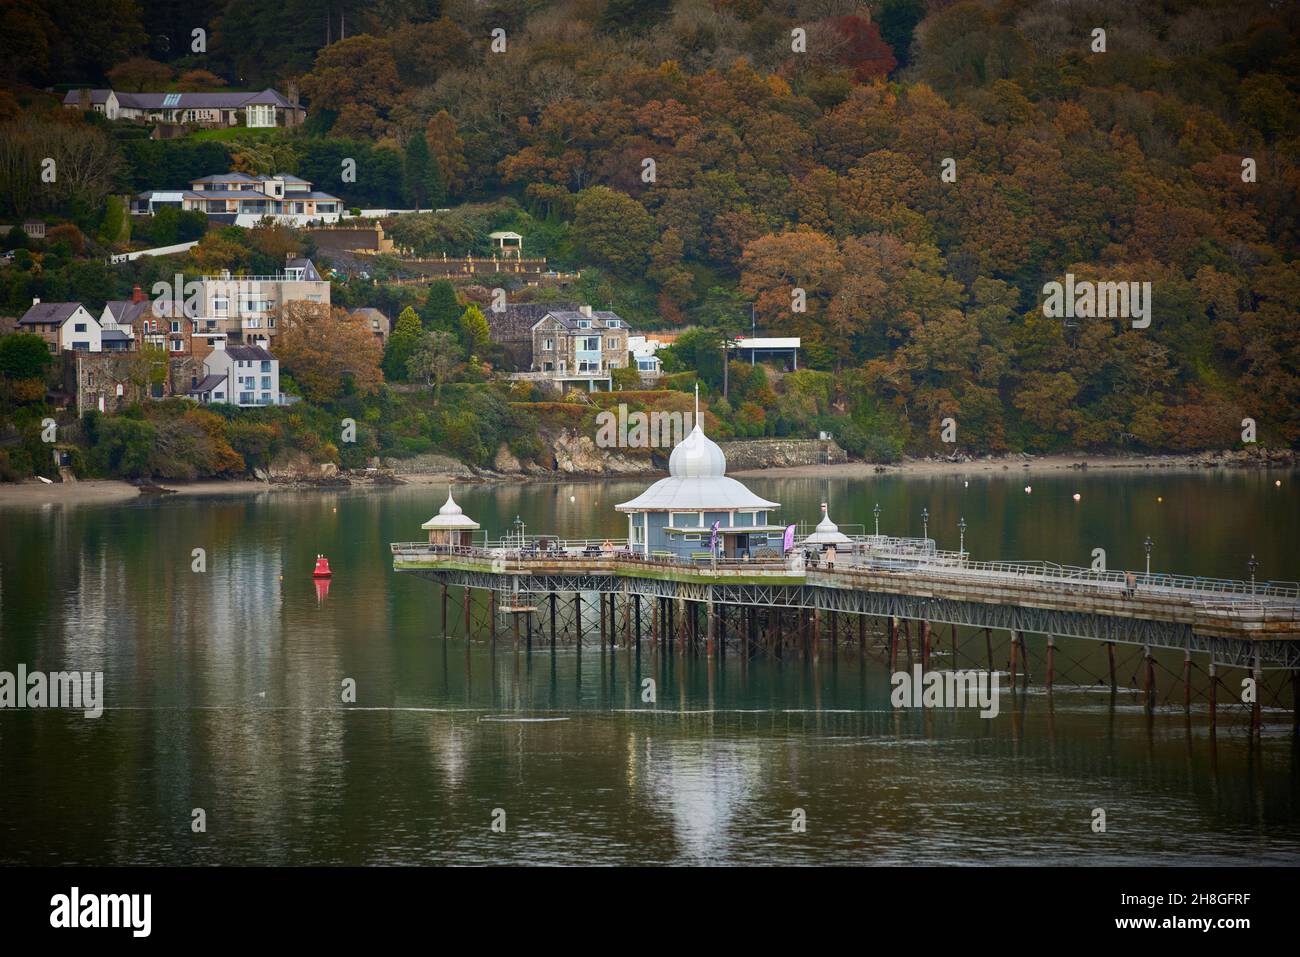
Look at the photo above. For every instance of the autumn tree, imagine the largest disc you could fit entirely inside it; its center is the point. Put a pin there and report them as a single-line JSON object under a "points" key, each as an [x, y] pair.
{"points": [[328, 351], [357, 79], [139, 74]]}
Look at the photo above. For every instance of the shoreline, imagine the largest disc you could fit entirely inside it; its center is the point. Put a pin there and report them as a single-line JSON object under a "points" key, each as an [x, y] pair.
{"points": [[110, 491]]}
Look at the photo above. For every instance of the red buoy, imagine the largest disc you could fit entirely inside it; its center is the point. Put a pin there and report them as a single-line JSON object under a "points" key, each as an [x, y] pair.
{"points": [[322, 568]]}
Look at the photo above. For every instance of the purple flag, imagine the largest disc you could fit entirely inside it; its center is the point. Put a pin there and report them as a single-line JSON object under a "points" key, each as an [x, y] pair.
{"points": [[789, 537], [713, 539]]}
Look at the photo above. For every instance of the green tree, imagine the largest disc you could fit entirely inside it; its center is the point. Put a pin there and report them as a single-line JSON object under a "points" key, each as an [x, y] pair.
{"points": [[421, 179], [23, 356], [115, 228], [441, 309], [614, 230], [402, 343], [435, 361], [474, 330]]}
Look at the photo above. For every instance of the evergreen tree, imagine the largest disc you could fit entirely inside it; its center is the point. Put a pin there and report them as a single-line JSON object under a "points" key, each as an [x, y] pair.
{"points": [[421, 179], [474, 330], [441, 310], [402, 343]]}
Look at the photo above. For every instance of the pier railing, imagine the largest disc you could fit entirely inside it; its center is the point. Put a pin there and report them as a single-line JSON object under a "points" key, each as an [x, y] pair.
{"points": [[897, 556]]}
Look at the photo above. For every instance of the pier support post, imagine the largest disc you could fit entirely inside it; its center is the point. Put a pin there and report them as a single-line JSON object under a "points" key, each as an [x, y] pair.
{"points": [[1214, 696], [1012, 666], [1187, 681], [988, 646], [492, 616], [1256, 711], [862, 633], [577, 617], [1110, 660], [893, 644], [467, 613], [655, 610], [552, 621], [1051, 662], [600, 599], [444, 609], [636, 604], [1148, 678], [925, 646], [710, 625]]}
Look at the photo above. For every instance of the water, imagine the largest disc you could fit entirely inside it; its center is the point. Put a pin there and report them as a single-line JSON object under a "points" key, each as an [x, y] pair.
{"points": [[223, 693]]}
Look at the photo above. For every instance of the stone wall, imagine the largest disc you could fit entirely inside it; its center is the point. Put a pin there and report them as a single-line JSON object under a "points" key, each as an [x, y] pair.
{"points": [[746, 454]]}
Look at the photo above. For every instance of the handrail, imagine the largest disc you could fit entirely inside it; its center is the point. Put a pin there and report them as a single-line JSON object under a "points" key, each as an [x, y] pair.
{"points": [[941, 566]]}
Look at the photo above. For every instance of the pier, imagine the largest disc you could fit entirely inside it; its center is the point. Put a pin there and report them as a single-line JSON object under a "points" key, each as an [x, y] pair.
{"points": [[705, 567]]}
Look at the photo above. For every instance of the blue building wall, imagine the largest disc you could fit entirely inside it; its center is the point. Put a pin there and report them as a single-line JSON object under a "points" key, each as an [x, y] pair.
{"points": [[688, 544]]}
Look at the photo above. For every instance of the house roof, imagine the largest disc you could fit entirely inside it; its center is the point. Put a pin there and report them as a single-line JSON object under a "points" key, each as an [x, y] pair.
{"points": [[224, 100], [310, 273], [46, 312], [115, 335], [516, 321], [450, 516], [248, 353], [126, 312], [209, 383], [570, 318]]}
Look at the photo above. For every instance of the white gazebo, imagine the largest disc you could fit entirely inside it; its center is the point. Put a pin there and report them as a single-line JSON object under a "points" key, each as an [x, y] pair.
{"points": [[827, 534], [510, 244], [451, 526]]}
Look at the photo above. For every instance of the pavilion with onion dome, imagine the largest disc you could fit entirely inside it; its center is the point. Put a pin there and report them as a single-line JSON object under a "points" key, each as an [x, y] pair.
{"points": [[675, 515], [827, 534], [451, 526]]}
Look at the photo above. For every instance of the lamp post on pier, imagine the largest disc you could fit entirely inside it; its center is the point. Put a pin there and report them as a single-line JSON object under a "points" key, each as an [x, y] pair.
{"points": [[961, 526], [876, 510], [925, 523], [1252, 565], [1147, 545]]}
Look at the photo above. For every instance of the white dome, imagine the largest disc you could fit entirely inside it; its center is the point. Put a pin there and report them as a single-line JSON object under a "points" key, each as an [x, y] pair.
{"points": [[450, 516], [697, 456], [827, 533]]}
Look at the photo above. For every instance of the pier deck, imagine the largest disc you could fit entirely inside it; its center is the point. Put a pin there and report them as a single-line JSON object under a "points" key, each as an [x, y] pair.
{"points": [[1241, 624]]}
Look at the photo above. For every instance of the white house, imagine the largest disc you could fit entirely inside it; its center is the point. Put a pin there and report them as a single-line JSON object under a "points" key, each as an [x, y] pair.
{"points": [[241, 375], [63, 325]]}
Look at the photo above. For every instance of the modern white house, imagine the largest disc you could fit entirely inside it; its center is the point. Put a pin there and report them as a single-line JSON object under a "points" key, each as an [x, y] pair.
{"points": [[246, 310], [675, 516], [245, 200], [241, 375], [69, 327], [644, 352], [760, 349]]}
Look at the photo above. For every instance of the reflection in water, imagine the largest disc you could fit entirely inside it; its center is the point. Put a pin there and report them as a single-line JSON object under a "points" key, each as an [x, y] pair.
{"points": [[224, 692]]}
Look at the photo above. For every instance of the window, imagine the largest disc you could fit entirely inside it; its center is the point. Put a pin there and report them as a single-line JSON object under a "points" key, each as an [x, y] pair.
{"points": [[266, 365], [589, 344], [220, 305], [266, 382], [584, 323], [177, 345], [78, 327], [691, 537], [176, 327], [611, 343], [614, 323], [686, 519], [548, 345]]}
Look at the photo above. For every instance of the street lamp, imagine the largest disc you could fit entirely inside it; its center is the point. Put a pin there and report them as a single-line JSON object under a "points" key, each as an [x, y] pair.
{"points": [[1147, 545], [519, 530], [961, 549], [1252, 564], [876, 510], [925, 523]]}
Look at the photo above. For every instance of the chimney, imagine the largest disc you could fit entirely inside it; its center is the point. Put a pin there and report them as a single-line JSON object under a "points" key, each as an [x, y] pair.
{"points": [[137, 294], [585, 310]]}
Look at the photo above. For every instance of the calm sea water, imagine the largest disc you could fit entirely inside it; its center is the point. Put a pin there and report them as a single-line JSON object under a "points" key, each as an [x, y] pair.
{"points": [[223, 693]]}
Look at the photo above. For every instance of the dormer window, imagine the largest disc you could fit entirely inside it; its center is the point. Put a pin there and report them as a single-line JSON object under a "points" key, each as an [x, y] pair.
{"points": [[584, 323], [614, 323]]}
